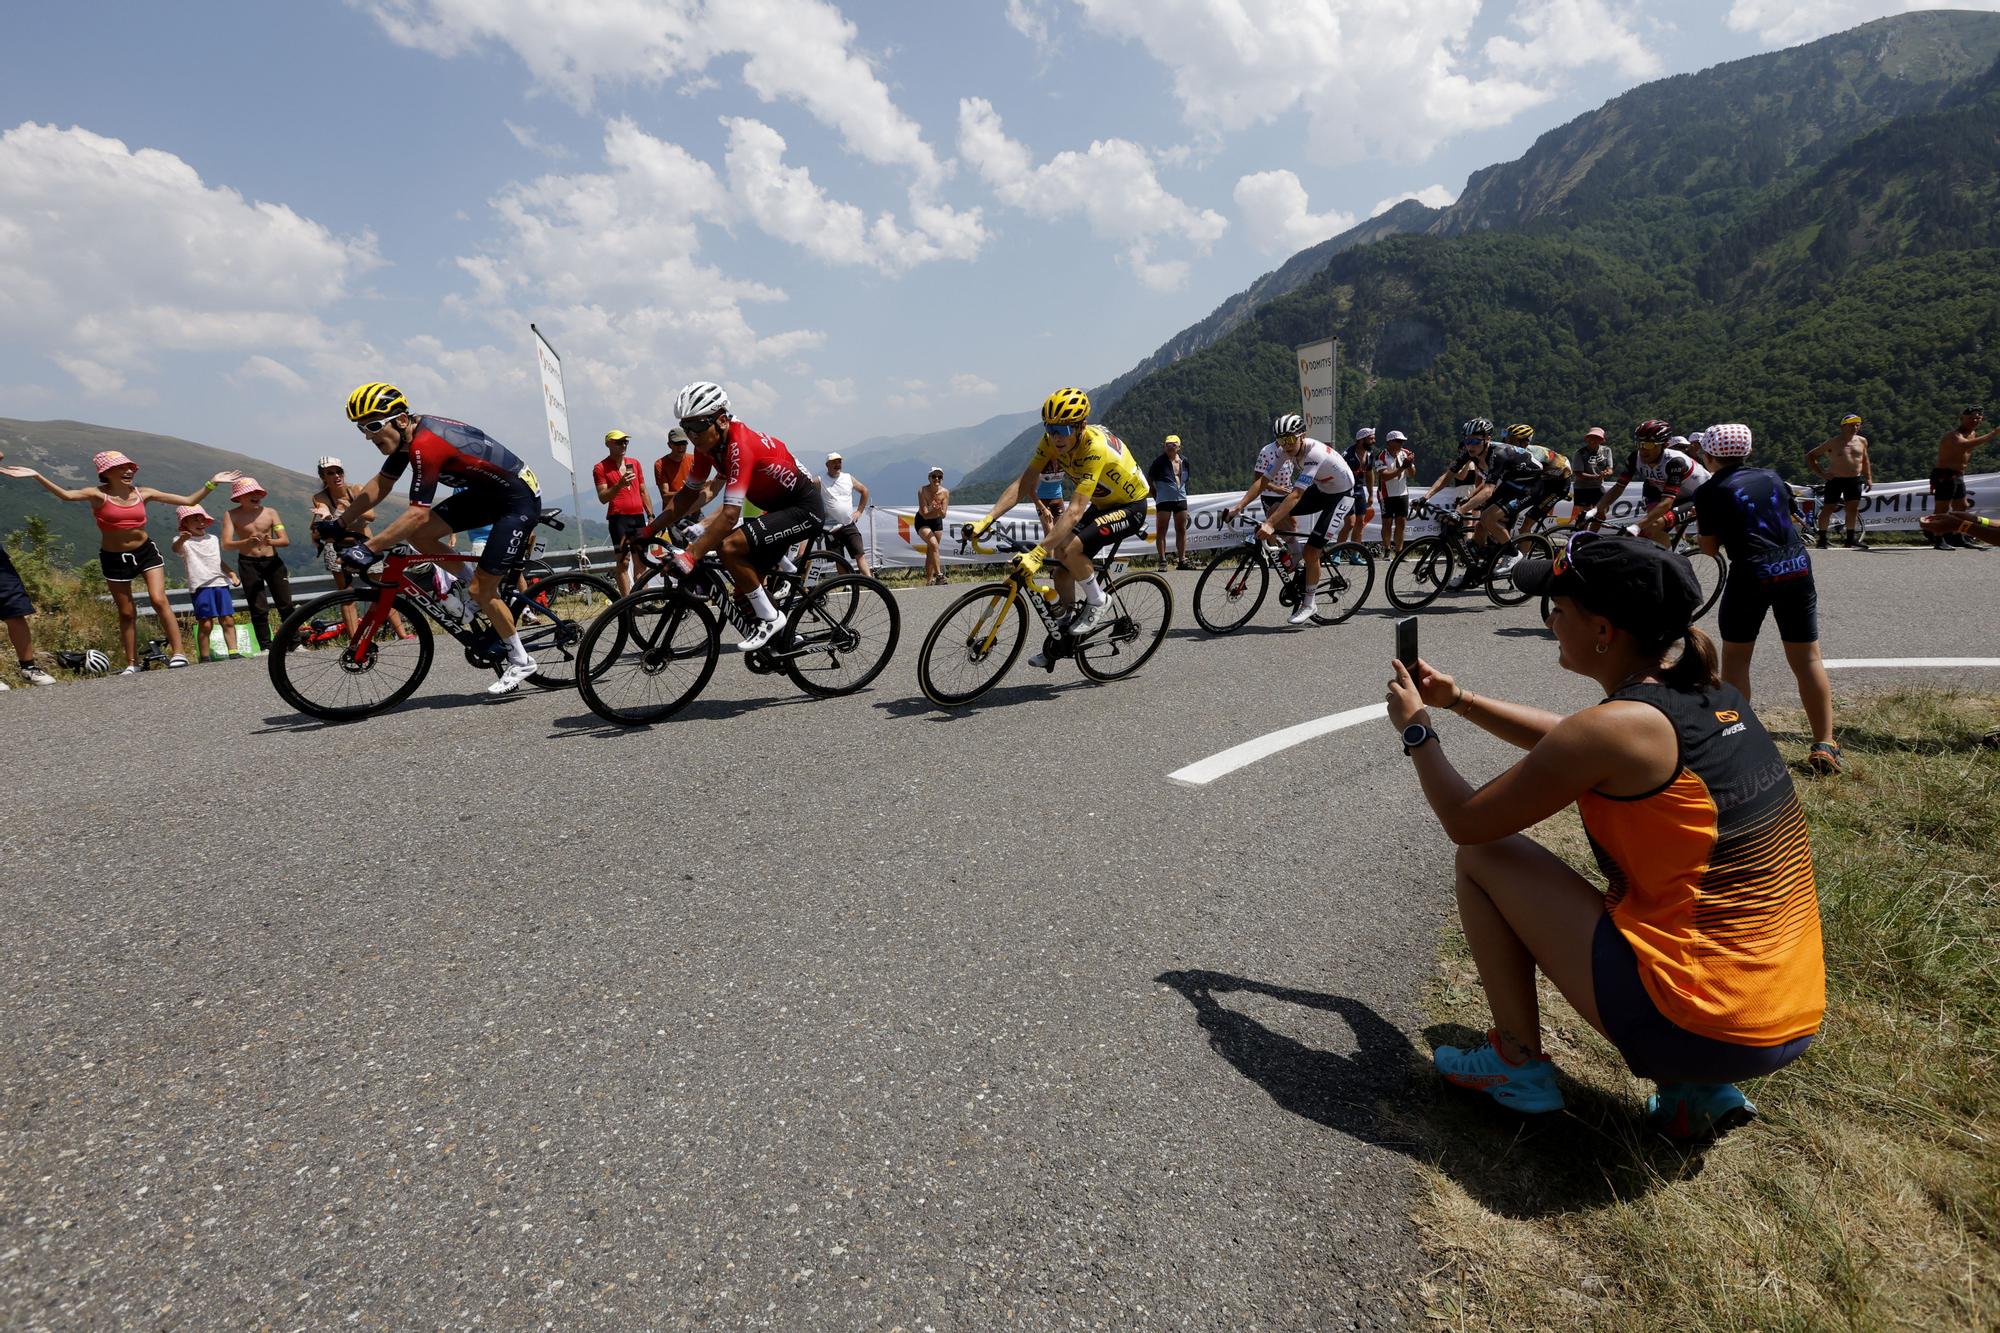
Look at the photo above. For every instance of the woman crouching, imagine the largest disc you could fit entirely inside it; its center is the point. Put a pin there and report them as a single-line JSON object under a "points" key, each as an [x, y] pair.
{"points": [[1703, 961]]}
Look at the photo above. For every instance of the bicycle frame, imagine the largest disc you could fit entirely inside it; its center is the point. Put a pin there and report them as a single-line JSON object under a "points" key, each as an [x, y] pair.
{"points": [[396, 582]]}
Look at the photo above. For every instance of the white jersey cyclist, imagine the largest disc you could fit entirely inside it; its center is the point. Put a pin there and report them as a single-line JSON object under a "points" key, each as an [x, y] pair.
{"points": [[1673, 471], [1321, 466]]}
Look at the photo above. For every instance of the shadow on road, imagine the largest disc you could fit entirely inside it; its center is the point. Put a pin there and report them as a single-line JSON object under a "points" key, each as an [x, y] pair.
{"points": [[1596, 1150], [1000, 696], [281, 723], [1525, 632], [590, 724]]}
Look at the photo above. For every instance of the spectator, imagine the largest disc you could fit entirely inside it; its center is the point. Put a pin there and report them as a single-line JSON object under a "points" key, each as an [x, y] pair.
{"points": [[932, 500], [1954, 456], [1393, 464], [628, 507], [208, 582], [1169, 475], [1847, 473], [333, 498], [1591, 473], [1687, 804], [838, 489], [257, 534], [1747, 511], [15, 608], [670, 470], [1972, 525], [1361, 458], [1049, 500], [125, 552]]}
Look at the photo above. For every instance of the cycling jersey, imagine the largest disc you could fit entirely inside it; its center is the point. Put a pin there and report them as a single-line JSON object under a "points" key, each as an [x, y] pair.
{"points": [[1274, 465], [1553, 463], [1321, 467], [1096, 459], [755, 467], [1672, 471], [1749, 510], [459, 455], [1504, 461]]}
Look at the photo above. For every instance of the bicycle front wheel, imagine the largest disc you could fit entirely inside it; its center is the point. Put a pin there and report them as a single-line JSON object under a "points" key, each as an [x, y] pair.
{"points": [[1711, 572], [1419, 573], [552, 616], [1347, 574], [843, 633], [330, 678], [1231, 589], [1500, 586], [646, 656], [972, 644], [1142, 606]]}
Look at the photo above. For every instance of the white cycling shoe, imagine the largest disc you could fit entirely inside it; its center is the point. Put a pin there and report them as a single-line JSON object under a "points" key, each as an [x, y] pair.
{"points": [[1303, 614], [766, 631], [511, 678], [1088, 618]]}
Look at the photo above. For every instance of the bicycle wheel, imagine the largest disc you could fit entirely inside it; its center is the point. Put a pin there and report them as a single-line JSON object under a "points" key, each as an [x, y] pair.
{"points": [[1142, 607], [821, 570], [972, 644], [647, 655], [328, 678], [1231, 589], [1711, 571], [1344, 584], [843, 633], [1420, 571], [551, 617], [1500, 586]]}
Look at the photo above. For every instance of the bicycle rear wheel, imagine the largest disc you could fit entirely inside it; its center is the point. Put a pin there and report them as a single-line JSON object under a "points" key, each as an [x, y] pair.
{"points": [[1231, 589], [647, 656], [1500, 586], [1419, 573], [1142, 607], [1711, 571], [328, 678], [552, 616], [843, 633], [972, 644], [1344, 582]]}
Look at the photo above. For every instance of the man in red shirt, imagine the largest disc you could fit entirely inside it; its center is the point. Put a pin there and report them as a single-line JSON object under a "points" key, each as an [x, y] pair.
{"points": [[628, 508]]}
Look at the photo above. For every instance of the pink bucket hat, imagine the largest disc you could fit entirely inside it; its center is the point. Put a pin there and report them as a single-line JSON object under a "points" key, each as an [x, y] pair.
{"points": [[106, 459], [182, 513], [246, 486]]}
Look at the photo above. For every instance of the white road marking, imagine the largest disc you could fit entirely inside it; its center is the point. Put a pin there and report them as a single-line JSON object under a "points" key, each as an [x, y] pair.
{"points": [[1849, 663], [1205, 771]]}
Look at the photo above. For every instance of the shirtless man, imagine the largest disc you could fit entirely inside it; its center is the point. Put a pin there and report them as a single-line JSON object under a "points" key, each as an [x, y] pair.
{"points": [[932, 500], [332, 498], [1954, 456], [1847, 472], [254, 532]]}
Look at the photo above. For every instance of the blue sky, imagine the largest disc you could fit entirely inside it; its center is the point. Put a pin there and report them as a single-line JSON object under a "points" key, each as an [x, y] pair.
{"points": [[863, 218]]}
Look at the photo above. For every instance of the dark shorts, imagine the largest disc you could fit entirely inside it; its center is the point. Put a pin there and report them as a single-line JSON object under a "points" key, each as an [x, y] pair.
{"points": [[512, 514], [1101, 527], [124, 566], [1793, 602], [1947, 484], [937, 524], [1170, 506], [1271, 502], [14, 603], [1653, 1046], [1513, 495], [1840, 490], [775, 529], [846, 539], [1585, 496], [1396, 506], [1328, 509], [214, 602], [624, 527], [1554, 489]]}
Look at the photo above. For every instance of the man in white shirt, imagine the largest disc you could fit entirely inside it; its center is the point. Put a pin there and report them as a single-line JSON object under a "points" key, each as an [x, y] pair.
{"points": [[1393, 464], [846, 500]]}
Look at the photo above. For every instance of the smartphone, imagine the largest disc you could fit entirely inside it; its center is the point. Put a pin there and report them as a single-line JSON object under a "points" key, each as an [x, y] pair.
{"points": [[1406, 642]]}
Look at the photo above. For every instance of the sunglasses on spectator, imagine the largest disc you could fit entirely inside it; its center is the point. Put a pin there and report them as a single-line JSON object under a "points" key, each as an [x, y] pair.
{"points": [[333, 472], [1563, 564]]}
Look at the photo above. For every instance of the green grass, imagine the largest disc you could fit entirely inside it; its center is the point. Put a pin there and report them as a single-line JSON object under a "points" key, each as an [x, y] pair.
{"points": [[1868, 1193]]}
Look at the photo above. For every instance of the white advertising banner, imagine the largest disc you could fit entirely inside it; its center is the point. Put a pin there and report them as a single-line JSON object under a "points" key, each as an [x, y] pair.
{"points": [[1895, 506], [1317, 364], [549, 365]]}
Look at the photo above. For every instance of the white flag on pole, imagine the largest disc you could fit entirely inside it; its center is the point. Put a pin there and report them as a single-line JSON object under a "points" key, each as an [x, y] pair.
{"points": [[550, 366]]}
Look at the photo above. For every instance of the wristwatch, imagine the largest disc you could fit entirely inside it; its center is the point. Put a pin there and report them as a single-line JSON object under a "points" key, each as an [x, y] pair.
{"points": [[1415, 735]]}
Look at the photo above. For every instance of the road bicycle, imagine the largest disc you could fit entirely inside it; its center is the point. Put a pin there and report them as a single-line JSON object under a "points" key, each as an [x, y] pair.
{"points": [[344, 677], [650, 653], [1424, 568], [980, 635], [1233, 585]]}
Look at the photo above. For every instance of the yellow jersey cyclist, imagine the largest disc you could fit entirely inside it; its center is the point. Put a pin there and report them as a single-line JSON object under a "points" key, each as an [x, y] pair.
{"points": [[1557, 475], [1322, 484], [1108, 504]]}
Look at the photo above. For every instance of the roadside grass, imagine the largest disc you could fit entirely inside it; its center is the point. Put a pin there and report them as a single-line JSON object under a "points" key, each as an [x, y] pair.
{"points": [[1867, 1194]]}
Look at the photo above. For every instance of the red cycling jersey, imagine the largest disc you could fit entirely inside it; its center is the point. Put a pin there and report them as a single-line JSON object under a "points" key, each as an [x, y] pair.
{"points": [[756, 467], [467, 455]]}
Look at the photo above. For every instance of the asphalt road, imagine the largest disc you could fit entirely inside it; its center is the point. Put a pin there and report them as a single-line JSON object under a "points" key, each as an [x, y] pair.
{"points": [[786, 1014]]}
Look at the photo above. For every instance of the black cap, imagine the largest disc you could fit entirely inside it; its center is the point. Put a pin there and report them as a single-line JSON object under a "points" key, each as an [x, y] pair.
{"points": [[1973, 411], [1637, 585]]}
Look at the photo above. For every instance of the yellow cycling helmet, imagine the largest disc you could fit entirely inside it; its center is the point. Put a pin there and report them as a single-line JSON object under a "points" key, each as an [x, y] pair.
{"points": [[1066, 407], [376, 400], [1520, 434]]}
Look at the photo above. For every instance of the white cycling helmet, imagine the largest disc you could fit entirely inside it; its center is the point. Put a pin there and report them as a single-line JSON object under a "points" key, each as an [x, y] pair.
{"points": [[1678, 442], [1728, 441], [1289, 424], [700, 399], [95, 663]]}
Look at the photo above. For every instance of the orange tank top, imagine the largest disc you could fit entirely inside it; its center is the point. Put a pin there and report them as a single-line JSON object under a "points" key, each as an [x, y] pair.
{"points": [[116, 516]]}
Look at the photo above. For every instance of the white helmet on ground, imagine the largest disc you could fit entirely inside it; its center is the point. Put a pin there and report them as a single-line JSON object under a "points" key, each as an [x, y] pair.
{"points": [[1728, 441], [1289, 424], [700, 399], [95, 663]]}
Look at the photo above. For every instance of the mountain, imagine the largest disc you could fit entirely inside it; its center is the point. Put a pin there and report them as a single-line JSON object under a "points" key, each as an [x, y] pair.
{"points": [[894, 466], [1679, 248]]}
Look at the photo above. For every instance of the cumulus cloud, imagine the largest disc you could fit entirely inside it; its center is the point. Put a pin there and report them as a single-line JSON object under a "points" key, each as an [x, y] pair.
{"points": [[1431, 196], [1113, 185], [1276, 215], [1031, 19], [261, 367], [969, 385], [1787, 22], [1572, 34]]}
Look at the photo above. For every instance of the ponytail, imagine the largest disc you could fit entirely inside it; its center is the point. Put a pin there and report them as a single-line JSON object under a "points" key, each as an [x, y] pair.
{"points": [[1695, 667]]}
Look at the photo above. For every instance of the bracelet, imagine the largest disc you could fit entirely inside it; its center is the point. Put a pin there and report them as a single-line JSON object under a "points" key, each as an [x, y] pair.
{"points": [[1452, 707], [207, 487]]}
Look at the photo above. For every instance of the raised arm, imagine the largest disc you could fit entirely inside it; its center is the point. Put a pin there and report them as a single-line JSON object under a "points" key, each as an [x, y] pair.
{"points": [[60, 492], [161, 497]]}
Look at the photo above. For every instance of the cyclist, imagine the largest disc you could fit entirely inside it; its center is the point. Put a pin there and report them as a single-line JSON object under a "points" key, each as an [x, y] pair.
{"points": [[1322, 484], [747, 465], [1109, 504], [494, 487], [1556, 480], [1466, 469], [1513, 479], [1668, 479], [1270, 483]]}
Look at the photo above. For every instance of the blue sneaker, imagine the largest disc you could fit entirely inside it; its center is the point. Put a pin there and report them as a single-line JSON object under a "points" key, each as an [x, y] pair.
{"points": [[1688, 1111], [1529, 1087]]}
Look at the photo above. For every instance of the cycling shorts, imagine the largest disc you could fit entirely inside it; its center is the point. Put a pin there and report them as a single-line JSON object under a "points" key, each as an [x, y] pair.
{"points": [[775, 529], [1514, 494], [624, 527], [513, 513], [1841, 490], [1947, 484], [1793, 602], [1271, 502], [1114, 523], [1327, 509], [1554, 488]]}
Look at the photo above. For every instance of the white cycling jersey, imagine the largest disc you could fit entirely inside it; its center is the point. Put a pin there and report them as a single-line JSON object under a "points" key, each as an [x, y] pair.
{"points": [[1321, 465], [1671, 471]]}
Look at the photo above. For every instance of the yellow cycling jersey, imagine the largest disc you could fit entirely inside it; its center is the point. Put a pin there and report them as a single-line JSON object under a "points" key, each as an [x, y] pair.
{"points": [[1098, 459]]}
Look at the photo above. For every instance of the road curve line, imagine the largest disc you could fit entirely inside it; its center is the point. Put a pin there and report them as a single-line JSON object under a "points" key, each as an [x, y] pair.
{"points": [[1205, 771], [1851, 663]]}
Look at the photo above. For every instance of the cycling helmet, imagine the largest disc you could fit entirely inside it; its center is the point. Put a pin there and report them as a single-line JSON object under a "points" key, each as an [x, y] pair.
{"points": [[376, 400], [1652, 431], [1476, 426], [1728, 441], [1521, 434], [95, 663], [1679, 442], [700, 399], [1289, 424], [1066, 407]]}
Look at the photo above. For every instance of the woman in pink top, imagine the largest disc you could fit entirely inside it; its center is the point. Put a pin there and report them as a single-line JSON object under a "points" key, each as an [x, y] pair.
{"points": [[125, 553]]}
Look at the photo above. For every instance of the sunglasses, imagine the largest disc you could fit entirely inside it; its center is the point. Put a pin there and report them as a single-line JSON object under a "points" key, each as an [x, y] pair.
{"points": [[373, 424], [1565, 557], [1059, 430], [699, 425], [333, 472]]}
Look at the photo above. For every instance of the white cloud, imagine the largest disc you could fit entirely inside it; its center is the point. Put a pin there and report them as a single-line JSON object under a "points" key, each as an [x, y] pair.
{"points": [[1787, 22], [1113, 185], [906, 402], [969, 385], [533, 142], [1431, 196], [261, 367], [834, 393], [1031, 19], [1276, 215], [109, 256], [1572, 34]]}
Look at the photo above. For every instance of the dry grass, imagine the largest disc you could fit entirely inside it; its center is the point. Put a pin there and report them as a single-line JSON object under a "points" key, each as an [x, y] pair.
{"points": [[1868, 1193]]}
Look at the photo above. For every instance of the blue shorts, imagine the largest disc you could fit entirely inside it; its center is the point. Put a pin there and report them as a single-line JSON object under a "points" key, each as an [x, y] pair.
{"points": [[214, 603], [1654, 1046]]}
